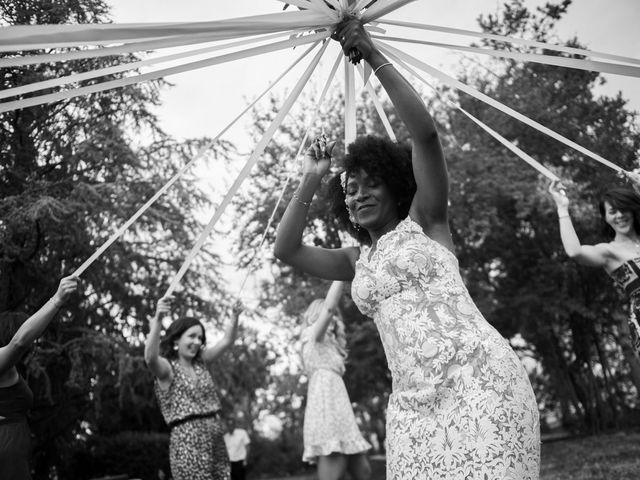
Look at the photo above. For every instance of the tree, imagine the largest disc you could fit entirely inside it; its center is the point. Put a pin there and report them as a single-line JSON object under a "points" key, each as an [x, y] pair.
{"points": [[506, 231], [567, 320], [71, 174]]}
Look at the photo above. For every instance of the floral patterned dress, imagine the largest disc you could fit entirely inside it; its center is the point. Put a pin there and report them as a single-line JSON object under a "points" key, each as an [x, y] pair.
{"points": [[627, 277], [462, 406], [329, 423], [191, 409]]}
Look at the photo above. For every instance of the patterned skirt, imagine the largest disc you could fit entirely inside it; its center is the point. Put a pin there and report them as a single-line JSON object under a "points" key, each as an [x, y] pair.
{"points": [[329, 423], [197, 450]]}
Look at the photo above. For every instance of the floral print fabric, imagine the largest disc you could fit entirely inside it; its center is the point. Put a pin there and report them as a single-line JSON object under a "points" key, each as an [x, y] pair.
{"points": [[627, 277], [462, 406], [329, 423], [196, 446]]}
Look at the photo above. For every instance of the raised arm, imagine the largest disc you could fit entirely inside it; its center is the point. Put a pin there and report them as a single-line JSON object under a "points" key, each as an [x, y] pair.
{"points": [[429, 207], [590, 255], [35, 325], [332, 264], [158, 365], [329, 309], [209, 354]]}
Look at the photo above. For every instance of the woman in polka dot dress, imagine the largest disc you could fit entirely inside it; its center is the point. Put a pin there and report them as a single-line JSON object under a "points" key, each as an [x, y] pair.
{"points": [[183, 367]]}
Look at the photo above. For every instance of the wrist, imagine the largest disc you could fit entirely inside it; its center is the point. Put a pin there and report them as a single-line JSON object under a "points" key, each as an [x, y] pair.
{"points": [[376, 58], [57, 303], [563, 212]]}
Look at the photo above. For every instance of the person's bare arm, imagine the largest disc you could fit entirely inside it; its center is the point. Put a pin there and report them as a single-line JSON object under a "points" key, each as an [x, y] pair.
{"points": [[35, 325]]}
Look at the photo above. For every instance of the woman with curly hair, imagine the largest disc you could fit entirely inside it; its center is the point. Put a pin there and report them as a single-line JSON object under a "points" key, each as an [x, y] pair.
{"points": [[183, 366], [620, 256], [330, 432], [461, 406], [18, 331]]}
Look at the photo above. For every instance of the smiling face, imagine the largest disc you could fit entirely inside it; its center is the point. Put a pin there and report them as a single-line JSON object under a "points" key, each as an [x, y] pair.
{"points": [[620, 220], [190, 342], [370, 202]]}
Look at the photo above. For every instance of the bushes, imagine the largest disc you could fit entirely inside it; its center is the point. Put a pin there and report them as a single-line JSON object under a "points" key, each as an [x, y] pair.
{"points": [[278, 457], [136, 454]]}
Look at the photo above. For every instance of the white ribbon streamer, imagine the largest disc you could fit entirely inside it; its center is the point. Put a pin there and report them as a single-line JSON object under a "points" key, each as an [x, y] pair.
{"points": [[143, 46], [32, 37], [118, 233], [519, 41], [510, 145], [590, 65], [349, 104], [56, 82], [382, 7], [39, 100], [377, 104], [262, 144], [452, 82], [330, 78]]}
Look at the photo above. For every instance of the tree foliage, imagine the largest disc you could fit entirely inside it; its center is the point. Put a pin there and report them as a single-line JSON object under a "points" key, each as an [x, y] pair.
{"points": [[72, 173], [567, 320]]}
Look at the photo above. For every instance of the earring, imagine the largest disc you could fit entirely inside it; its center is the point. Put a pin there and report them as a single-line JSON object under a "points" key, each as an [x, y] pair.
{"points": [[352, 219], [175, 347]]}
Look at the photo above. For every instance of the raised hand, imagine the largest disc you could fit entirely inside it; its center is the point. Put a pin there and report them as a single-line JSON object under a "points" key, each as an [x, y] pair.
{"points": [[237, 308], [67, 286], [559, 194], [353, 37], [317, 158], [164, 306], [634, 178]]}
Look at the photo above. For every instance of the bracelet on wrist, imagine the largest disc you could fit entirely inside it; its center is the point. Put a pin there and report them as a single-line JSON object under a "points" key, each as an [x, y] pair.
{"points": [[375, 72], [563, 215], [56, 303]]}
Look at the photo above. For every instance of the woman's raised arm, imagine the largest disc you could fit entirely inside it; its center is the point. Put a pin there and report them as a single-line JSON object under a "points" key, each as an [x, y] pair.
{"points": [[589, 255], [430, 203], [158, 365], [35, 325], [332, 264], [329, 309]]}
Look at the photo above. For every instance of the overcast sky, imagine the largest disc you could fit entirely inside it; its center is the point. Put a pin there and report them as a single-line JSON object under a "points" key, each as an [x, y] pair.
{"points": [[202, 102]]}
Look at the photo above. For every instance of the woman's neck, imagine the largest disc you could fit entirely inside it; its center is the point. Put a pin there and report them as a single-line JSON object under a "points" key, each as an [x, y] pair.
{"points": [[377, 233], [631, 237], [185, 362]]}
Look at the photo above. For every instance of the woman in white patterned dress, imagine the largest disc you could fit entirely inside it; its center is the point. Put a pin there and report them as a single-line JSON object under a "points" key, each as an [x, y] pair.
{"points": [[331, 435], [462, 406]]}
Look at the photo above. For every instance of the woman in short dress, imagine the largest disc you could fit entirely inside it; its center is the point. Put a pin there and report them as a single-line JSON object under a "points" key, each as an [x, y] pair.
{"points": [[331, 435], [183, 366], [620, 256], [462, 406]]}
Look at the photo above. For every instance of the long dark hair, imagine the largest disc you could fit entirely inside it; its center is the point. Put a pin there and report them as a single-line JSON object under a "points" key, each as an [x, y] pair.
{"points": [[624, 199], [174, 332]]}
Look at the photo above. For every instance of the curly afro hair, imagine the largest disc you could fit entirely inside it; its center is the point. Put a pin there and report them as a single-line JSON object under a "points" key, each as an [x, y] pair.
{"points": [[382, 159], [624, 199]]}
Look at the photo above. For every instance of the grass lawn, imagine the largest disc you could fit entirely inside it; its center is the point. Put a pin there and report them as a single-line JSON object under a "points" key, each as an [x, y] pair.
{"points": [[605, 457]]}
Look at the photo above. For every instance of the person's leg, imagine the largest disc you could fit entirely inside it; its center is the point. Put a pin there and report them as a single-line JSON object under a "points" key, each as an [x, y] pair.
{"points": [[237, 470], [359, 467], [331, 467]]}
